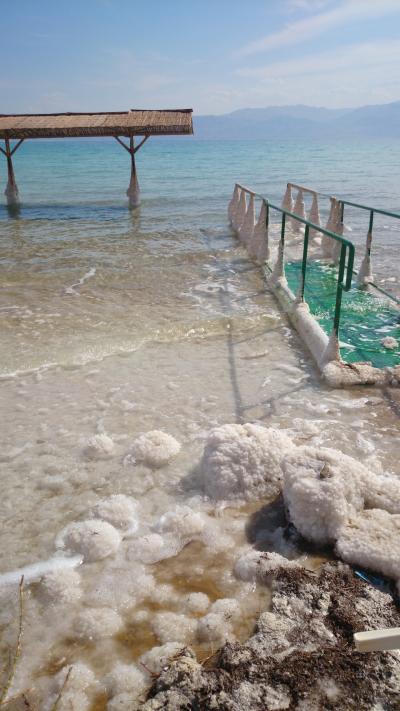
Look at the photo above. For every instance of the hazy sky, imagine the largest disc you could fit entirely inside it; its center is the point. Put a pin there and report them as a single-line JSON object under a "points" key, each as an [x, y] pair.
{"points": [[212, 55]]}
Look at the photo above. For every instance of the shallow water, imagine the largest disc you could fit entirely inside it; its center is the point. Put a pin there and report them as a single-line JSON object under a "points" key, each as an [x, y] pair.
{"points": [[124, 322]]}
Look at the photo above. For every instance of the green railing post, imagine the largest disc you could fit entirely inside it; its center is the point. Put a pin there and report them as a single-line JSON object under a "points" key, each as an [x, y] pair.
{"points": [[300, 295], [339, 290]]}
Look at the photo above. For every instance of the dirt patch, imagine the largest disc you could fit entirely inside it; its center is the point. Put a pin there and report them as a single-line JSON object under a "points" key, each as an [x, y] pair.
{"points": [[301, 656]]}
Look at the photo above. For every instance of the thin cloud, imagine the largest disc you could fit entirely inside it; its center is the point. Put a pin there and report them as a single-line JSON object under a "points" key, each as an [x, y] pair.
{"points": [[349, 58], [302, 30]]}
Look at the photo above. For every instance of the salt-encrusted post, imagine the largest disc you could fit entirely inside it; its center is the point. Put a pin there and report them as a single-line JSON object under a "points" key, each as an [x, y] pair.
{"points": [[247, 227], [300, 210], [259, 246], [327, 243], [241, 211], [338, 229], [365, 275], [287, 202], [233, 204], [314, 216], [11, 191]]}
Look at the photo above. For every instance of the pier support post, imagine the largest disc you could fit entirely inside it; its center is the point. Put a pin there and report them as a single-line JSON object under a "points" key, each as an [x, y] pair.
{"points": [[11, 191], [133, 191]]}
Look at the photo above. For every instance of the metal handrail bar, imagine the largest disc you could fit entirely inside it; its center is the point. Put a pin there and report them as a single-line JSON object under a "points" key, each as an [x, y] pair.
{"points": [[347, 251]]}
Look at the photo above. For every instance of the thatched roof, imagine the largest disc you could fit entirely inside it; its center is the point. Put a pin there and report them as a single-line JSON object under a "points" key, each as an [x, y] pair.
{"points": [[117, 123]]}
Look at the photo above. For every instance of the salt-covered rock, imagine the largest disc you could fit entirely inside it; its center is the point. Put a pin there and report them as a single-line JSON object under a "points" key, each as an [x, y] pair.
{"points": [[183, 522], [227, 607], [95, 539], [119, 510], [80, 677], [254, 566], [244, 461], [159, 657], [390, 342], [383, 492], [96, 623], [124, 701], [322, 489], [213, 628], [155, 448], [371, 539], [172, 627], [61, 587], [197, 602], [153, 547], [100, 446], [125, 678]]}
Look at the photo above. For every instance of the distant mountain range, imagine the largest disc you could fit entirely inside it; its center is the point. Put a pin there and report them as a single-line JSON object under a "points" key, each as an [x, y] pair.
{"points": [[301, 122]]}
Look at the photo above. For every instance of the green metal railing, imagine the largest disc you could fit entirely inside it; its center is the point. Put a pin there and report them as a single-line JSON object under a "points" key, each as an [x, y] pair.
{"points": [[346, 257], [359, 206]]}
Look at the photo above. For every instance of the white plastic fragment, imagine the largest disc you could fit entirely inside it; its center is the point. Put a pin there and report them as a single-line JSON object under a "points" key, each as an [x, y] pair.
{"points": [[377, 640]]}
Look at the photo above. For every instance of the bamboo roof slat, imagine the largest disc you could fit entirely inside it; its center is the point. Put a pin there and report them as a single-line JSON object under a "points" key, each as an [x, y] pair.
{"points": [[136, 122]]}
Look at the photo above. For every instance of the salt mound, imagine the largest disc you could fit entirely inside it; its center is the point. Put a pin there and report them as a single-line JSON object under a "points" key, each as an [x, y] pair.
{"points": [[213, 628], [94, 539], [124, 678], [390, 342], [255, 566], [244, 461], [153, 548], [171, 627], [97, 623], [158, 657], [61, 587], [383, 492], [197, 602], [100, 446], [183, 522], [155, 448], [119, 510], [73, 697], [322, 489], [371, 540]]}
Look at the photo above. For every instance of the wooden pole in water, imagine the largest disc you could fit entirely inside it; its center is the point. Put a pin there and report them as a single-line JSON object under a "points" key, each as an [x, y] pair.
{"points": [[133, 191], [11, 191]]}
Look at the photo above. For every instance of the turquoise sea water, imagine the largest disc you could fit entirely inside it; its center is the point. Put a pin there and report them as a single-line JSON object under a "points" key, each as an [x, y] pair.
{"points": [[74, 224]]}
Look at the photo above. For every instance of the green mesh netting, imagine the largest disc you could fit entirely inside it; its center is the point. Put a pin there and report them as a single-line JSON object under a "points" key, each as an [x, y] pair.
{"points": [[365, 318]]}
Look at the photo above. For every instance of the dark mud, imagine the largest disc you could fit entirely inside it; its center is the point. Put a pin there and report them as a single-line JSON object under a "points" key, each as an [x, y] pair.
{"points": [[301, 655]]}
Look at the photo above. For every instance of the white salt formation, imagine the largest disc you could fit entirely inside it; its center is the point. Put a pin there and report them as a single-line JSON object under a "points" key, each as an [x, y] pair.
{"points": [[197, 602], [390, 343], [74, 697], [158, 657], [96, 623], [372, 540], [100, 446], [60, 587], [244, 461], [125, 678], [172, 627], [255, 566], [183, 522], [94, 539], [119, 510], [322, 489], [155, 448]]}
